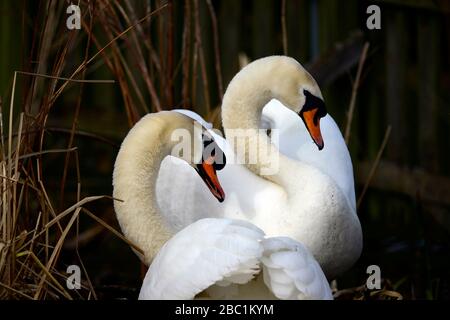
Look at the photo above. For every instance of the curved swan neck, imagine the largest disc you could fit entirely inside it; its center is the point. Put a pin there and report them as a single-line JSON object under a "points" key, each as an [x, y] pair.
{"points": [[279, 77], [250, 90], [134, 181]]}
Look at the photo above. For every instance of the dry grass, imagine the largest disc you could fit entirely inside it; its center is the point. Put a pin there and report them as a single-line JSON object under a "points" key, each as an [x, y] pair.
{"points": [[386, 292], [32, 228]]}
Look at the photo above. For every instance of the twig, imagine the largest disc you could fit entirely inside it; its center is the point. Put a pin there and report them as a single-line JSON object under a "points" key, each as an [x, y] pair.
{"points": [[198, 39], [16, 291], [63, 78], [55, 254], [76, 115], [185, 56], [170, 54], [33, 154], [84, 64], [141, 63], [283, 27], [81, 133], [216, 47], [114, 231], [351, 109], [46, 273], [375, 165]]}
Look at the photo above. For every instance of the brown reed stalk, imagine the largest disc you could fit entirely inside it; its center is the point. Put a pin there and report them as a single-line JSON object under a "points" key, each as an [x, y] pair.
{"points": [[216, 48], [201, 55], [186, 54], [355, 88]]}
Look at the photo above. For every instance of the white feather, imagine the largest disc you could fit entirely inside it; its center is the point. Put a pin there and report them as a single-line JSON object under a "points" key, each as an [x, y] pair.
{"points": [[213, 253], [324, 191], [201, 255], [292, 272]]}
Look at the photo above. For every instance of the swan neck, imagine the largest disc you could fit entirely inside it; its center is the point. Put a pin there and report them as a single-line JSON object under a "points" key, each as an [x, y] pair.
{"points": [[242, 106], [134, 180]]}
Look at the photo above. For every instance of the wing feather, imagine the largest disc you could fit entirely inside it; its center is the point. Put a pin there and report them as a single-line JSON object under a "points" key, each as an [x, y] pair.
{"points": [[207, 252], [291, 272]]}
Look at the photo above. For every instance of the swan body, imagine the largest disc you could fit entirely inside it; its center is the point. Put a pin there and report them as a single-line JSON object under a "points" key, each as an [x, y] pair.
{"points": [[221, 257], [310, 199], [259, 201]]}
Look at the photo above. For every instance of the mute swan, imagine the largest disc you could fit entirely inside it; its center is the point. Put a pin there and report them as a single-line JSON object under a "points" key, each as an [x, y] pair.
{"points": [[294, 142], [221, 256], [309, 199], [136, 170], [209, 252]]}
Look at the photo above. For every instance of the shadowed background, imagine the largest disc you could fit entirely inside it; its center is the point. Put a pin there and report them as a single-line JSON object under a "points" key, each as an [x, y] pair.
{"points": [[387, 89]]}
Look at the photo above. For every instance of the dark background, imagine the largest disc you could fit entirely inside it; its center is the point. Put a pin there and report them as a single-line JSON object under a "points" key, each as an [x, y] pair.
{"points": [[184, 56]]}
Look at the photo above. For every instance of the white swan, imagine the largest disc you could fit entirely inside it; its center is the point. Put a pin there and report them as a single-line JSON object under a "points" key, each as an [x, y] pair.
{"points": [[209, 254], [136, 171], [310, 198]]}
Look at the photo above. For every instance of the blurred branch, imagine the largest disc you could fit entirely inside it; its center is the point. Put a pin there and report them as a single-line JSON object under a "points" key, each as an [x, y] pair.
{"points": [[201, 56], [216, 48], [170, 55], [355, 87], [185, 54], [283, 27], [391, 177], [434, 5], [77, 133], [66, 79], [337, 61], [85, 134], [375, 165]]}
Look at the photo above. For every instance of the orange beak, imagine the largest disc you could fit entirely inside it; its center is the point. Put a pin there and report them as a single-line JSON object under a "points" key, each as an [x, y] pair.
{"points": [[311, 118], [208, 173], [311, 112]]}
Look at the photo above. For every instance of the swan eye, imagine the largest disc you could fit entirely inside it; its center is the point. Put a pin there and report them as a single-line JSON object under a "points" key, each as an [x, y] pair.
{"points": [[220, 161], [212, 151], [313, 102]]}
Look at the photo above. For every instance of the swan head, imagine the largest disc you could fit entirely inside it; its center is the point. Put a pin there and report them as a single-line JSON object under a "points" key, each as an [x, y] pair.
{"points": [[210, 160], [296, 89], [284, 79], [199, 150], [163, 134], [313, 109]]}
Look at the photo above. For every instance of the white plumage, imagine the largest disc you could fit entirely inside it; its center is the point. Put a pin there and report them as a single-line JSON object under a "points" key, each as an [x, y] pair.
{"points": [[319, 209], [229, 253]]}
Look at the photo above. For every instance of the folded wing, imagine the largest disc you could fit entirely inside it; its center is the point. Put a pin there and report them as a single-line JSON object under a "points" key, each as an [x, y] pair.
{"points": [[291, 272], [209, 251]]}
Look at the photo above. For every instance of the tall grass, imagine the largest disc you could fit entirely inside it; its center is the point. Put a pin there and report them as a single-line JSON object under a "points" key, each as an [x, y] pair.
{"points": [[33, 226]]}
